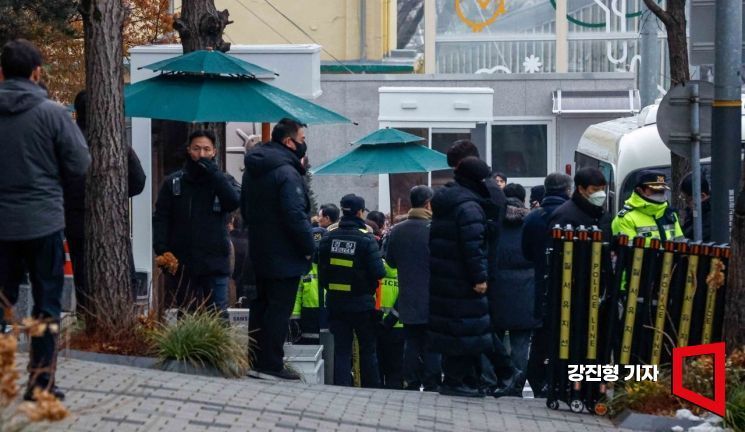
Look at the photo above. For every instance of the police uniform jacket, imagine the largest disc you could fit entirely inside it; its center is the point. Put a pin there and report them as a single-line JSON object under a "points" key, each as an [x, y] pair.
{"points": [[349, 267], [640, 217]]}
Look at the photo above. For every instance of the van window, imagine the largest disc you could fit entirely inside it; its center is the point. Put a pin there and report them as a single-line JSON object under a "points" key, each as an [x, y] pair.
{"points": [[584, 161]]}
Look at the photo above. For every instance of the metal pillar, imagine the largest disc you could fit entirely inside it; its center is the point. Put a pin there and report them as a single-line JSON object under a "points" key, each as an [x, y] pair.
{"points": [[649, 70], [726, 147]]}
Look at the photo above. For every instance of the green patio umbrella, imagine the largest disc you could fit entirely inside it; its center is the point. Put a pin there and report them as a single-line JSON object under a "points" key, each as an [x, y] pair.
{"points": [[388, 136], [209, 62], [369, 159], [214, 98]]}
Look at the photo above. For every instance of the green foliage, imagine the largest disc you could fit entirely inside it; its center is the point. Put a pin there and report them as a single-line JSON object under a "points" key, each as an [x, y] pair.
{"points": [[735, 418], [203, 339]]}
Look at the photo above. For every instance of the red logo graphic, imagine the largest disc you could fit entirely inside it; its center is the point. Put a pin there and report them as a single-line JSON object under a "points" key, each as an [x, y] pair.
{"points": [[718, 404]]}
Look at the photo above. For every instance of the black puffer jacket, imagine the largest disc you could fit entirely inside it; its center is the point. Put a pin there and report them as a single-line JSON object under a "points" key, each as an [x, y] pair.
{"points": [[459, 317], [74, 192], [578, 211], [193, 223], [512, 296], [275, 207]]}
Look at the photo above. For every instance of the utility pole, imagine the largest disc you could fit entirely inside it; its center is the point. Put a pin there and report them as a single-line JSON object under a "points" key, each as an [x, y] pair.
{"points": [[649, 72], [726, 147]]}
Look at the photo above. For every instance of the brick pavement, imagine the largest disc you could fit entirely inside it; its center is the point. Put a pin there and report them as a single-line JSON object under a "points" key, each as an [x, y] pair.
{"points": [[105, 398]]}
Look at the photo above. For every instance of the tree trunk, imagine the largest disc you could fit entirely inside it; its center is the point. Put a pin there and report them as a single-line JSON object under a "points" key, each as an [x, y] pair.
{"points": [[201, 26], [674, 19], [107, 243], [734, 309], [410, 14]]}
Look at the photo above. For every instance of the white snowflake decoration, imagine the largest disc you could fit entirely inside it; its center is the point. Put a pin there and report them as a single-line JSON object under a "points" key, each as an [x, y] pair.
{"points": [[532, 64]]}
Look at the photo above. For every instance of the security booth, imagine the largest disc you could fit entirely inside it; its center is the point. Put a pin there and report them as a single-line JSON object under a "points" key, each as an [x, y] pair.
{"points": [[440, 115], [160, 144]]}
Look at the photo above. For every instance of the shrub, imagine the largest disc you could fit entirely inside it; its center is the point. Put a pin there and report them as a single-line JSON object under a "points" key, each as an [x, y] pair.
{"points": [[203, 339], [735, 418]]}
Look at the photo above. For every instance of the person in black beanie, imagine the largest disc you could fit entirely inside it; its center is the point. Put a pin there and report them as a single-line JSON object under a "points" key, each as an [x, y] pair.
{"points": [[459, 244]]}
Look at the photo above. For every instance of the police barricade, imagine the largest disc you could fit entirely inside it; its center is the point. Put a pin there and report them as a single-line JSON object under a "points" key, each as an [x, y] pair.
{"points": [[623, 306]]}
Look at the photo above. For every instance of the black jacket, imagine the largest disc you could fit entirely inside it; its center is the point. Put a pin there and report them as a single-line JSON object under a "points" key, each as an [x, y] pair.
{"points": [[74, 192], [193, 223], [408, 251], [275, 207], [705, 222], [535, 239], [42, 146], [458, 316], [512, 296], [361, 250], [578, 211]]}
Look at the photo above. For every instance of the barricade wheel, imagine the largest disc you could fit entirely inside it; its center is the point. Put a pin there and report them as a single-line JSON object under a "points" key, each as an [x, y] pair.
{"points": [[577, 406], [552, 404]]}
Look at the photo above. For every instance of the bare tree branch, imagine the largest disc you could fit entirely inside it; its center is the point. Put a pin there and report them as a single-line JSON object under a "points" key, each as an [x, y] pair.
{"points": [[665, 17]]}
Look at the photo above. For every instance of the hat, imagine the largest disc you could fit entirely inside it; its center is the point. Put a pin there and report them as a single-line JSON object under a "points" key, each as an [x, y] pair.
{"points": [[651, 179], [351, 204], [473, 168], [537, 193]]}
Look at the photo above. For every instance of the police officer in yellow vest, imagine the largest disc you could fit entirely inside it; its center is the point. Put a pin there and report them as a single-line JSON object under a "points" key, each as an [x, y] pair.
{"points": [[349, 267], [646, 213], [390, 331], [308, 302]]}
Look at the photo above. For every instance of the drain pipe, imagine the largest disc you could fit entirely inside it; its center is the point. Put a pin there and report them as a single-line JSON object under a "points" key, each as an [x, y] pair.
{"points": [[363, 30]]}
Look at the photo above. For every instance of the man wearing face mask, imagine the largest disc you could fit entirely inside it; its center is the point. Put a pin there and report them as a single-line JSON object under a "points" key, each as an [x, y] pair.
{"points": [[275, 206], [190, 221], [646, 213], [587, 204]]}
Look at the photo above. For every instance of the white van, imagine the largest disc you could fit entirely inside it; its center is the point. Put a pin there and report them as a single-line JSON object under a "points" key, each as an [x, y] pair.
{"points": [[622, 147]]}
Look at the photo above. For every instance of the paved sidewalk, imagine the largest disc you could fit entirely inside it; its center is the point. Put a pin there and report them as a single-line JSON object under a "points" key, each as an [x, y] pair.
{"points": [[104, 398]]}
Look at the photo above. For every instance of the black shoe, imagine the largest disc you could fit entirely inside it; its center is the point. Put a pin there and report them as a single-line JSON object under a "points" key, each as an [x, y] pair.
{"points": [[54, 391], [430, 388], [284, 374], [461, 390], [513, 386], [413, 387]]}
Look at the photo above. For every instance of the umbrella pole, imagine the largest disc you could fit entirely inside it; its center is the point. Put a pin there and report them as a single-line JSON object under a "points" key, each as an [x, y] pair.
{"points": [[265, 132]]}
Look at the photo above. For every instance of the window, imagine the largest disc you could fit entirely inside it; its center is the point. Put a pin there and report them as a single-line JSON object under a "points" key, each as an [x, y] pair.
{"points": [[520, 150], [441, 141], [401, 184]]}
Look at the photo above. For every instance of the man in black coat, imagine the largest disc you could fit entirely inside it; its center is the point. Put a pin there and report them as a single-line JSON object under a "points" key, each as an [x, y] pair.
{"points": [[535, 238], [349, 268], [587, 205], [459, 325], [408, 251], [275, 207], [191, 222], [74, 192], [498, 376]]}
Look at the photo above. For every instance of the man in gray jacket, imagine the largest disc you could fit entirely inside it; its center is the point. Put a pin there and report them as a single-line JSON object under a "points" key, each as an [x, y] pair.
{"points": [[408, 251], [41, 146]]}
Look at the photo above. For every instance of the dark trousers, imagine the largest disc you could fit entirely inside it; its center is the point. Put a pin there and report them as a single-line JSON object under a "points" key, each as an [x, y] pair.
{"points": [[421, 366], [519, 346], [270, 318], [189, 292], [499, 360], [44, 259], [391, 358], [536, 372], [77, 256], [344, 325], [460, 370]]}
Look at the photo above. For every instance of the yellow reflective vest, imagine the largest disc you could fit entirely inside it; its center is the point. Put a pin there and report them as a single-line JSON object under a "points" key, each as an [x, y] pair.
{"points": [[387, 295], [650, 220]]}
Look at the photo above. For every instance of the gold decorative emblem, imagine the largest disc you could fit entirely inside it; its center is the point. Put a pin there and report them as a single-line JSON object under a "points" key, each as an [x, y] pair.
{"points": [[476, 27], [660, 179]]}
